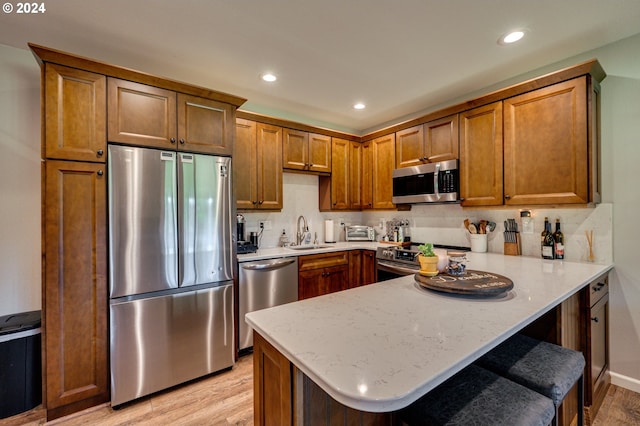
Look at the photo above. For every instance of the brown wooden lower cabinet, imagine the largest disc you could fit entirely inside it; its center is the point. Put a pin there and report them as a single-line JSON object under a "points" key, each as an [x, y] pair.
{"points": [[320, 274], [284, 396], [580, 323], [75, 337], [362, 268]]}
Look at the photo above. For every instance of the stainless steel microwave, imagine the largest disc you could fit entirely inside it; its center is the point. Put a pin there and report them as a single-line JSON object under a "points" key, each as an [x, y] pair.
{"points": [[427, 183]]}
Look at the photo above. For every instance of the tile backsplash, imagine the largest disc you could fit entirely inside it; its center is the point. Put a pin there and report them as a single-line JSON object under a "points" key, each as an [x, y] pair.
{"points": [[440, 224]]}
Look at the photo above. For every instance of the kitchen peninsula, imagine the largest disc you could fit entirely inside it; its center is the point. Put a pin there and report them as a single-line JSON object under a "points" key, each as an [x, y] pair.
{"points": [[378, 348]]}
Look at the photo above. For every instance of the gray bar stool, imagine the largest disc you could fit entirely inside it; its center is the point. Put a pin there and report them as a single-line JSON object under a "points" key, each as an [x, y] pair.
{"points": [[549, 369], [476, 396]]}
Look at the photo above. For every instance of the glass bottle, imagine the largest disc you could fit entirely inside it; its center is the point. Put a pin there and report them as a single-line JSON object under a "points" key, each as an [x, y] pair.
{"points": [[558, 238], [547, 242]]}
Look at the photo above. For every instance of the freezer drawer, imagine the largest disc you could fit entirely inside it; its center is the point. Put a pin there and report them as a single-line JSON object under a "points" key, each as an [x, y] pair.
{"points": [[162, 341]]}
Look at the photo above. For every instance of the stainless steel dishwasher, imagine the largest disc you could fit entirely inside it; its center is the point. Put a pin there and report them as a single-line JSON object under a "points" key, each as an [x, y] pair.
{"points": [[263, 284]]}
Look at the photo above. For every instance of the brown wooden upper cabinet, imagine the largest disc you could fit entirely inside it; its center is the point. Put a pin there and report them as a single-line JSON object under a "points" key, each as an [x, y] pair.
{"points": [[144, 115], [536, 148], [546, 146], [381, 168], [434, 141], [304, 151], [481, 156], [366, 195], [340, 174], [257, 166], [75, 114]]}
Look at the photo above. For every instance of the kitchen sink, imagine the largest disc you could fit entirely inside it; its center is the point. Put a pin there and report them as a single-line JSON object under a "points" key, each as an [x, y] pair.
{"points": [[307, 247]]}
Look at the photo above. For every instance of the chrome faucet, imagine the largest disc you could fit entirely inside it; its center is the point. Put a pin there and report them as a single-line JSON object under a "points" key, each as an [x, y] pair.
{"points": [[301, 232]]}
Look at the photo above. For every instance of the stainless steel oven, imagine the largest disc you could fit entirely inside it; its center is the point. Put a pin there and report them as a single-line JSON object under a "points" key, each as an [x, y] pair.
{"points": [[394, 262]]}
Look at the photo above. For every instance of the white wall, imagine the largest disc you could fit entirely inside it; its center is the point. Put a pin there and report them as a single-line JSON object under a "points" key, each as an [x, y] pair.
{"points": [[300, 198], [19, 181]]}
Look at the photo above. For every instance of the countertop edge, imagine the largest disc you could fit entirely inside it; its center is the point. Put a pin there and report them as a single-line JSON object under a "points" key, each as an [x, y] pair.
{"points": [[400, 401]]}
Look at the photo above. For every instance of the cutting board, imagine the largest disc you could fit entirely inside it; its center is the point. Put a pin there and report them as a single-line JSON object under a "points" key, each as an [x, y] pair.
{"points": [[477, 283]]}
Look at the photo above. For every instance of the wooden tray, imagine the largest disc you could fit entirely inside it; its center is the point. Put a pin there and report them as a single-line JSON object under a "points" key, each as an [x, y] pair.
{"points": [[399, 244], [476, 283]]}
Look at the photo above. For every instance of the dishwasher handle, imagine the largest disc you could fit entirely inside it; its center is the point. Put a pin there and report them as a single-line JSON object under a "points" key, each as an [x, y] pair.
{"points": [[267, 266]]}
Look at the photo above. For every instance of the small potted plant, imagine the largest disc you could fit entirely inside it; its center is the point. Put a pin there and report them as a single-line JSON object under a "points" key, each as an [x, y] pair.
{"points": [[428, 260]]}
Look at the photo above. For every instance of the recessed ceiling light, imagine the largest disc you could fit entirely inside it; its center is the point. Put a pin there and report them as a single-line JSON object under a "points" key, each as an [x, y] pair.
{"points": [[359, 105], [511, 37], [269, 77]]}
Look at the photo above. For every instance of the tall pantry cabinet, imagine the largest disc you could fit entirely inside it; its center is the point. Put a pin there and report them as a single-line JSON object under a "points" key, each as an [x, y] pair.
{"points": [[74, 239], [75, 120]]}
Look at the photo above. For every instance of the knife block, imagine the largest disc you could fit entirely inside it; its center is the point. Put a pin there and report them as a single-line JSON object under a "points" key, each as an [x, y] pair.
{"points": [[513, 249]]}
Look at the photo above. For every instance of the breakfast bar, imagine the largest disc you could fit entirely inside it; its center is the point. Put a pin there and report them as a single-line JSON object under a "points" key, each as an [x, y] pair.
{"points": [[378, 348]]}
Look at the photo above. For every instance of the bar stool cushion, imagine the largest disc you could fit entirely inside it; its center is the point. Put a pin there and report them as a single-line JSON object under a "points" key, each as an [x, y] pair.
{"points": [[476, 396], [544, 367]]}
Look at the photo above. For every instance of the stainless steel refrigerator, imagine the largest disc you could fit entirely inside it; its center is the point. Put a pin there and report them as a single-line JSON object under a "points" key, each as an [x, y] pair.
{"points": [[171, 268]]}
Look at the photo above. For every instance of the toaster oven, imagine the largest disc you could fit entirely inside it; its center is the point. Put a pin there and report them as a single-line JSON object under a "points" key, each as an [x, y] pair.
{"points": [[360, 233]]}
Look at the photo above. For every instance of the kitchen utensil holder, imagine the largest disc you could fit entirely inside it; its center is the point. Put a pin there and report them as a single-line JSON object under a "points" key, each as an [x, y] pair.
{"points": [[513, 249]]}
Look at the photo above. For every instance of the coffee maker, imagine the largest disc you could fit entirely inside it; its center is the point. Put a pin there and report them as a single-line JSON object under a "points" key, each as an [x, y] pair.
{"points": [[243, 246]]}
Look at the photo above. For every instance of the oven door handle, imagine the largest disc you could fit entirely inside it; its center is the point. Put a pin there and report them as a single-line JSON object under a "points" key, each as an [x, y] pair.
{"points": [[394, 268]]}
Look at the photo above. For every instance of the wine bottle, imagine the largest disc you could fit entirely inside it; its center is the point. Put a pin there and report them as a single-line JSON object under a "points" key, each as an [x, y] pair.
{"points": [[558, 237], [546, 241]]}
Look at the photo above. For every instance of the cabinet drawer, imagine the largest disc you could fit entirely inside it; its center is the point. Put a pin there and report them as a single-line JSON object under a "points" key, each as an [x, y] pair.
{"points": [[315, 261], [597, 289]]}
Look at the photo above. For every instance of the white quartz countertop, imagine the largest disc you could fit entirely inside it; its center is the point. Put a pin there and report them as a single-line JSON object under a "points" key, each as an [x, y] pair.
{"points": [[380, 347], [275, 252]]}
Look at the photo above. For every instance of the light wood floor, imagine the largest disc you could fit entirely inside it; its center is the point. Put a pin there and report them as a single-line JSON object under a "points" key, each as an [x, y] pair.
{"points": [[227, 399]]}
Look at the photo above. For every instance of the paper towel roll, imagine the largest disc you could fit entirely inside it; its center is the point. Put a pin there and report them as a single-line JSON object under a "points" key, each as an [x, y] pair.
{"points": [[328, 231]]}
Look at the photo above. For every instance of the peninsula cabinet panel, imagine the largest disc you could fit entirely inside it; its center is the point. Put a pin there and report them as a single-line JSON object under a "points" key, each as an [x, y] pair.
{"points": [[481, 156], [441, 139], [595, 307], [75, 287], [547, 123], [274, 387], [75, 114], [205, 125], [141, 115], [257, 166], [383, 152]]}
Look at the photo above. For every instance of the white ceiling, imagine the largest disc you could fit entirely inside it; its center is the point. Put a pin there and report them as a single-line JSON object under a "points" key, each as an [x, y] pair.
{"points": [[397, 56]]}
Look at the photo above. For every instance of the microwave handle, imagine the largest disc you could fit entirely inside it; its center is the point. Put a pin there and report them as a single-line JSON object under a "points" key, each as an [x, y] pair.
{"points": [[436, 190]]}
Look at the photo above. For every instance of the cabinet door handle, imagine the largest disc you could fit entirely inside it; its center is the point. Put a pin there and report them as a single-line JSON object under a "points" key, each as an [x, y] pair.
{"points": [[254, 202], [507, 197], [100, 172], [260, 202], [100, 152], [172, 140], [595, 319], [182, 141]]}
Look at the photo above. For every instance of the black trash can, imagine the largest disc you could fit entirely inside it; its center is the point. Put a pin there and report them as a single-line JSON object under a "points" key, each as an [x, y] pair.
{"points": [[20, 363]]}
